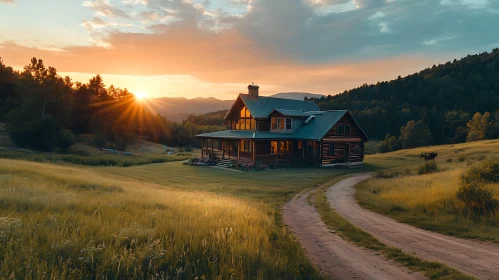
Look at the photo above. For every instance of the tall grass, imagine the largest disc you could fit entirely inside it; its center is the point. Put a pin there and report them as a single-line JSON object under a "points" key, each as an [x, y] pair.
{"points": [[430, 201], [96, 160], [61, 222]]}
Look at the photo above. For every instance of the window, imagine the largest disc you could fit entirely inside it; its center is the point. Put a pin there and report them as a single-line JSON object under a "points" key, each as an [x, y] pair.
{"points": [[331, 149], [347, 130], [273, 147], [245, 122], [300, 145], [282, 123], [246, 146], [339, 130], [310, 148], [276, 123], [357, 149]]}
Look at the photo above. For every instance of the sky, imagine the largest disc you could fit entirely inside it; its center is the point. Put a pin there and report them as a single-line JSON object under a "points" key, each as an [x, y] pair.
{"points": [[215, 48]]}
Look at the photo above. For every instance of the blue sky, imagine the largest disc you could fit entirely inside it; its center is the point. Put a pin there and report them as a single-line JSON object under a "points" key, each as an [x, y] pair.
{"points": [[215, 48]]}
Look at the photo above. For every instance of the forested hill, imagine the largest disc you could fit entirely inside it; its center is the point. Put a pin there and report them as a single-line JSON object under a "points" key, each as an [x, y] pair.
{"points": [[444, 98]]}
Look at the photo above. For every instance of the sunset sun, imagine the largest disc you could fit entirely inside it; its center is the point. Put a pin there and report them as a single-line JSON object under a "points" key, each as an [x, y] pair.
{"points": [[140, 95]]}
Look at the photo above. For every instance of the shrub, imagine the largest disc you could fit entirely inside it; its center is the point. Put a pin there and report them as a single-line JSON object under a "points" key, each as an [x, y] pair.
{"points": [[428, 167], [462, 158], [66, 139], [120, 144], [449, 160], [99, 140], [479, 200], [188, 149], [484, 173], [473, 195]]}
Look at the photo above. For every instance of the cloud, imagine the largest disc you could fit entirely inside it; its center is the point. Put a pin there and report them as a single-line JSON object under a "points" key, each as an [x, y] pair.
{"points": [[327, 45], [105, 9]]}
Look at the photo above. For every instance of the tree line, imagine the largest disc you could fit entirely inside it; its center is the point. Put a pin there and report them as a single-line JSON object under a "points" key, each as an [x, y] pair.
{"points": [[450, 103], [46, 112]]}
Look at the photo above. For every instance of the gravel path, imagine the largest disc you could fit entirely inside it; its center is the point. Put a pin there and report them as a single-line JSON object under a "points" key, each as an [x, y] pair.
{"points": [[477, 258], [334, 256]]}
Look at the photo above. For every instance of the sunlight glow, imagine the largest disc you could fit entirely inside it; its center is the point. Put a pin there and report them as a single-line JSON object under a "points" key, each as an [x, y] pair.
{"points": [[140, 95]]}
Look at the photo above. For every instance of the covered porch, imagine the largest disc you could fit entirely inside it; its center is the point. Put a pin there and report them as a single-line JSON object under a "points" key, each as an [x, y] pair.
{"points": [[262, 151]]}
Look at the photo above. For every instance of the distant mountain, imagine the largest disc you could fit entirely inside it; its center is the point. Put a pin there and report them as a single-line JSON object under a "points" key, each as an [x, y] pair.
{"points": [[179, 108], [297, 95]]}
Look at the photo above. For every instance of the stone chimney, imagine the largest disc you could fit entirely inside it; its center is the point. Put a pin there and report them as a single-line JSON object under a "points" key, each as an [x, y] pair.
{"points": [[253, 91]]}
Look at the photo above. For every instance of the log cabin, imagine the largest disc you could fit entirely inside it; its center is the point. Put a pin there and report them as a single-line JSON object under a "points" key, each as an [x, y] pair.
{"points": [[277, 131]]}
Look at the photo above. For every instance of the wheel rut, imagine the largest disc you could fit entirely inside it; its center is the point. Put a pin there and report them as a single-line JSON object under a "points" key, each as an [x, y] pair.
{"points": [[480, 259], [334, 256]]}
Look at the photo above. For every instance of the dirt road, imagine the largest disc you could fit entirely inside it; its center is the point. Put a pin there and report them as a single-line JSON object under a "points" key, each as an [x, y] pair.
{"points": [[480, 259], [334, 256]]}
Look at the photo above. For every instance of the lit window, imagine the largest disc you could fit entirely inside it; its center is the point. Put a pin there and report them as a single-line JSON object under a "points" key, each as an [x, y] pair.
{"points": [[276, 123], [273, 147], [300, 145]]}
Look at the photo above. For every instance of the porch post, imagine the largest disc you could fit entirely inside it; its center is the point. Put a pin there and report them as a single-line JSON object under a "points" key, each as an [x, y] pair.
{"points": [[277, 152], [254, 152], [230, 145], [202, 147], [303, 147], [320, 153], [223, 146], [238, 149]]}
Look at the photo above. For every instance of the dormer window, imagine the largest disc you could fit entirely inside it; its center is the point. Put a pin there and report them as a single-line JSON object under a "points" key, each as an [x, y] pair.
{"points": [[277, 124], [282, 124]]}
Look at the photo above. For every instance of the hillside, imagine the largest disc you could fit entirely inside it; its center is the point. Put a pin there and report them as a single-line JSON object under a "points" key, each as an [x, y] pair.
{"points": [[179, 108], [445, 97], [296, 95]]}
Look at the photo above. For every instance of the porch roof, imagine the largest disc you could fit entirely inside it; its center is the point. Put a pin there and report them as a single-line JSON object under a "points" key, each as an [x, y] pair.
{"points": [[248, 134], [315, 128]]}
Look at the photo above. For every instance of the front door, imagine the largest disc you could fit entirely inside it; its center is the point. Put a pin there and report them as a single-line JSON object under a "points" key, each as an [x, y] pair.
{"points": [[347, 152]]}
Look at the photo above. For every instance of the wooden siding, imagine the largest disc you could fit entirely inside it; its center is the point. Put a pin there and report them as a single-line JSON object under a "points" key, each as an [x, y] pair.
{"points": [[345, 120], [354, 141]]}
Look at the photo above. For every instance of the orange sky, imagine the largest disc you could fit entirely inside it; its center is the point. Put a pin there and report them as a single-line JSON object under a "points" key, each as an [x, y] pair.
{"points": [[215, 49]]}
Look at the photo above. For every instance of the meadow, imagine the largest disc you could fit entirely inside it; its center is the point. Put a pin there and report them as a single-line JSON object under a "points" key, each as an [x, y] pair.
{"points": [[429, 201], [159, 221]]}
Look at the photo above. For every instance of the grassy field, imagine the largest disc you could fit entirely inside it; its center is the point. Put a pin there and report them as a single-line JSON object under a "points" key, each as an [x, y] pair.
{"points": [[429, 201], [95, 160], [154, 221]]}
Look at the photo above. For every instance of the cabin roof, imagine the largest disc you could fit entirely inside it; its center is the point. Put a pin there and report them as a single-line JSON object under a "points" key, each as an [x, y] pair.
{"points": [[292, 113], [315, 129], [263, 106]]}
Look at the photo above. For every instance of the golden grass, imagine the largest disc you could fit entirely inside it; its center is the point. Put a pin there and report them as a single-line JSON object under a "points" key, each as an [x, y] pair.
{"points": [[61, 222], [429, 201]]}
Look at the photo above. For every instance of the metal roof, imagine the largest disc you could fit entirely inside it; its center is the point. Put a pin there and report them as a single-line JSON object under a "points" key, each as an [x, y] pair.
{"points": [[263, 106], [315, 129], [247, 134], [292, 113]]}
